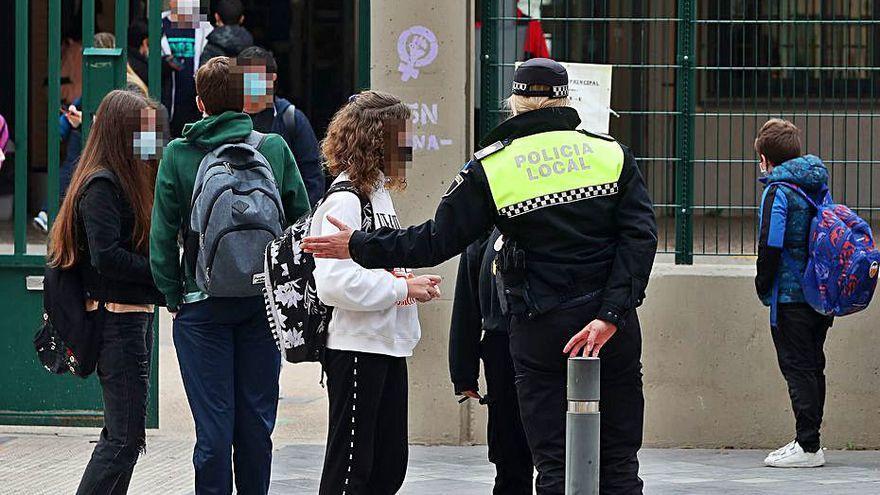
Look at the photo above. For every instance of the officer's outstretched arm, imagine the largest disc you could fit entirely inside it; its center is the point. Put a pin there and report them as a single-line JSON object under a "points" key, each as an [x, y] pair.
{"points": [[636, 245], [465, 213]]}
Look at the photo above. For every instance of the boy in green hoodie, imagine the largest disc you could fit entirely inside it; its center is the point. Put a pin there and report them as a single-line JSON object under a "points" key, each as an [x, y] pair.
{"points": [[228, 359]]}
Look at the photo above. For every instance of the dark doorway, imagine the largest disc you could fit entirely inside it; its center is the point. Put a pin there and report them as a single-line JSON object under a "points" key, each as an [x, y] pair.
{"points": [[315, 46]]}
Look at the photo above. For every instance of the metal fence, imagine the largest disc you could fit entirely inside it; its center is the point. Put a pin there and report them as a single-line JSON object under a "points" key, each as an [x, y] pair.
{"points": [[693, 82], [30, 395]]}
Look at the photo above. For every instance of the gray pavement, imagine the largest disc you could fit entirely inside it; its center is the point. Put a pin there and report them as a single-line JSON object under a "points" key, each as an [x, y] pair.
{"points": [[50, 461]]}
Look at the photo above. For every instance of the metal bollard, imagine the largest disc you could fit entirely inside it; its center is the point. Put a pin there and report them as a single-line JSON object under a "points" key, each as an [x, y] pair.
{"points": [[582, 427]]}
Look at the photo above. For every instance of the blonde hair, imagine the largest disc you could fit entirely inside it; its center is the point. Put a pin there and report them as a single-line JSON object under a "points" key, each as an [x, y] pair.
{"points": [[134, 80], [518, 104], [356, 139]]}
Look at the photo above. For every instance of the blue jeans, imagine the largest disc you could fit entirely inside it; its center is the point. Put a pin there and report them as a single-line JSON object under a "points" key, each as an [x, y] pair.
{"points": [[230, 369]]}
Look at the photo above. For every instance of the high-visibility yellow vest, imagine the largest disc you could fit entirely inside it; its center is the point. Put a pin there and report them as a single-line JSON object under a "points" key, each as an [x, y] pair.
{"points": [[550, 168]]}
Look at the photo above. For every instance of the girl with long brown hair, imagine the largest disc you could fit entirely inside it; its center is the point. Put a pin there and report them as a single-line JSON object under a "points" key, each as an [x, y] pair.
{"points": [[375, 323], [102, 231]]}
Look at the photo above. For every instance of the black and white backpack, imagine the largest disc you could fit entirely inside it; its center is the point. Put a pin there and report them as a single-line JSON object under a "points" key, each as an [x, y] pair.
{"points": [[297, 318]]}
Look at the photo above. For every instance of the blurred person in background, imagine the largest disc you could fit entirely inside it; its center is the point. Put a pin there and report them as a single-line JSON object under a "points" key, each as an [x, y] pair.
{"points": [[229, 37], [272, 113]]}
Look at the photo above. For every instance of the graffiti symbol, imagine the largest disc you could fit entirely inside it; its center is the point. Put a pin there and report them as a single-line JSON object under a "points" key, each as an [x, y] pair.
{"points": [[417, 47]]}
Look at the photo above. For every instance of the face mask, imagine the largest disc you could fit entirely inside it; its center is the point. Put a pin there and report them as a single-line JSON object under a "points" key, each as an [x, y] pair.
{"points": [[146, 145], [255, 84]]}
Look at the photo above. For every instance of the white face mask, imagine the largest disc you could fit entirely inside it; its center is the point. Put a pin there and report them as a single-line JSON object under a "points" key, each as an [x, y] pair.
{"points": [[147, 144]]}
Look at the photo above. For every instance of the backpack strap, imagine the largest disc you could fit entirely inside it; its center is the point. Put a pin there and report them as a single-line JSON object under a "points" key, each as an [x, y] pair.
{"points": [[289, 119], [255, 139], [102, 174], [367, 220], [797, 189]]}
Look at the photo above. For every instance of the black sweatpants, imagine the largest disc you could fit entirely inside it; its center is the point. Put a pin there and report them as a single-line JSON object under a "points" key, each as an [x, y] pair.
{"points": [[367, 442], [536, 347], [508, 448], [799, 337]]}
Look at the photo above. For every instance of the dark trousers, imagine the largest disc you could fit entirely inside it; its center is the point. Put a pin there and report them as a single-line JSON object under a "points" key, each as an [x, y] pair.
{"points": [[799, 337], [367, 441], [230, 369], [124, 372], [536, 347], [508, 448]]}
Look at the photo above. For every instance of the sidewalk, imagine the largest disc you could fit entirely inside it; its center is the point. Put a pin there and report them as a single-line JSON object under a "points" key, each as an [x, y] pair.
{"points": [[47, 463], [47, 460]]}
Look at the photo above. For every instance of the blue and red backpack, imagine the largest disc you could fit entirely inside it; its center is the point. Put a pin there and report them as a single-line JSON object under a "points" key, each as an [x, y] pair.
{"points": [[843, 260]]}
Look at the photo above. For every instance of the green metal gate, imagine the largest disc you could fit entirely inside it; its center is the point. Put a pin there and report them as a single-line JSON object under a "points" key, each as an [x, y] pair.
{"points": [[693, 82], [28, 394]]}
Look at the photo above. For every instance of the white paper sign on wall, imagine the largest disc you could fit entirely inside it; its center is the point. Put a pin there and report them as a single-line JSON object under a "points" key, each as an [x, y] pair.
{"points": [[589, 89]]}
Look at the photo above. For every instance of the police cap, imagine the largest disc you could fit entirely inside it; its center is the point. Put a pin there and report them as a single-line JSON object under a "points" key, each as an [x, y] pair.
{"points": [[541, 71]]}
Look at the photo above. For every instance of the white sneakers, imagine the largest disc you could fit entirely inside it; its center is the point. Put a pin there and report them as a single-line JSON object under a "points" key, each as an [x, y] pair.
{"points": [[41, 222], [793, 456]]}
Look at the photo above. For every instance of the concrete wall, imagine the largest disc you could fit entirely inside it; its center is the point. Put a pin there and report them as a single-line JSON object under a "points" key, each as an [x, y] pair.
{"points": [[711, 378], [441, 97]]}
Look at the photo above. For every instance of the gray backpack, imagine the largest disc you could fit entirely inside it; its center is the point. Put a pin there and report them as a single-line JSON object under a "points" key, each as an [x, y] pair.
{"points": [[236, 211]]}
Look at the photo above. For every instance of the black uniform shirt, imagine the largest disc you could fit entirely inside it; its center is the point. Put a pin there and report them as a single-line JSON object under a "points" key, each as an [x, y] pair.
{"points": [[600, 244]]}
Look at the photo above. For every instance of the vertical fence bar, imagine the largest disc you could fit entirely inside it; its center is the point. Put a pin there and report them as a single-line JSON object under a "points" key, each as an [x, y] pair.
{"points": [[154, 40], [53, 140], [363, 45], [21, 126], [685, 89], [489, 71], [121, 24], [88, 41], [88, 23]]}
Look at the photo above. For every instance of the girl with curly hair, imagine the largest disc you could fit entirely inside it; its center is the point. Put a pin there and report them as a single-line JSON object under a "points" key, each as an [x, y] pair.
{"points": [[375, 322]]}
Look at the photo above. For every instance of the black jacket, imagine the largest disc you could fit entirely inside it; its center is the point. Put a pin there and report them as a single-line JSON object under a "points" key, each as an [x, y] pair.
{"points": [[226, 41], [572, 249], [476, 309], [297, 131], [111, 271]]}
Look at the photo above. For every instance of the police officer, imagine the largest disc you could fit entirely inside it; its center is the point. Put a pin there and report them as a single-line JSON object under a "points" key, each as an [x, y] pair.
{"points": [[476, 313], [579, 239]]}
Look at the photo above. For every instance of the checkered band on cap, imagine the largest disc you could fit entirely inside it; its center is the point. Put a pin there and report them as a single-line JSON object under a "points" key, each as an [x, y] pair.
{"points": [[560, 91], [554, 92], [559, 198]]}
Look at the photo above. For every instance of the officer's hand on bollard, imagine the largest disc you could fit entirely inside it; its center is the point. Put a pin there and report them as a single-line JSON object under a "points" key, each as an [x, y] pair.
{"points": [[423, 288], [590, 339], [330, 246]]}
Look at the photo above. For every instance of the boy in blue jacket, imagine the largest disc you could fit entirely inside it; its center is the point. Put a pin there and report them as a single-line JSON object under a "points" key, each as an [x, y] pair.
{"points": [[798, 331], [272, 113]]}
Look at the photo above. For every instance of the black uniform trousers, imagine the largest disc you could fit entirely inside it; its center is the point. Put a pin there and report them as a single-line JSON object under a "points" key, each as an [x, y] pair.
{"points": [[367, 442], [536, 348], [799, 337], [508, 448]]}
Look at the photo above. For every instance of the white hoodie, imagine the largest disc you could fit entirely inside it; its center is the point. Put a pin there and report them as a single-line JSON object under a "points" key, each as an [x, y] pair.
{"points": [[371, 313]]}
